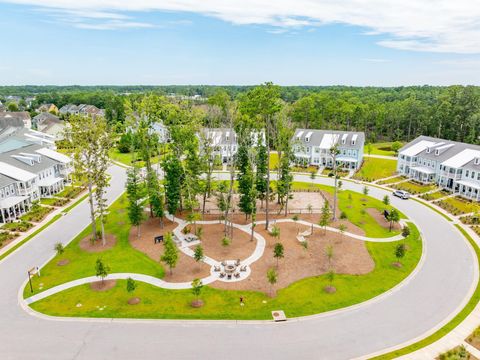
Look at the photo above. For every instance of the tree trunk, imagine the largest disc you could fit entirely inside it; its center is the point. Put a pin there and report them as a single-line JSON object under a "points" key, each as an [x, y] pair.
{"points": [[92, 211], [267, 200], [104, 241]]}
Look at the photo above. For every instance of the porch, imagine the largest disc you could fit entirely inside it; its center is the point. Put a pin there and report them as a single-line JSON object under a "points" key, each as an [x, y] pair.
{"points": [[13, 207], [422, 174], [50, 186], [467, 189]]}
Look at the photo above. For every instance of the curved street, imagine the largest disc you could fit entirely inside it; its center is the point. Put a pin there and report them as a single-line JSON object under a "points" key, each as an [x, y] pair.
{"points": [[426, 301]]}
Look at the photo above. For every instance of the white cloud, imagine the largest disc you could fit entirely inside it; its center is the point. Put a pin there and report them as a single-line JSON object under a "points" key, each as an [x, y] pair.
{"points": [[419, 25]]}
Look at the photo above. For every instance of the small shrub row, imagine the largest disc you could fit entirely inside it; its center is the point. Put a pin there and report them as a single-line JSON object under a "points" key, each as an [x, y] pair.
{"points": [[70, 192], [456, 205], [20, 226], [5, 236], [37, 213], [435, 195]]}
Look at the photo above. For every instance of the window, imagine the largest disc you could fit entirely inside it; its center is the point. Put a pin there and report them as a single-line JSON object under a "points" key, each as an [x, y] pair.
{"points": [[473, 175], [466, 173]]}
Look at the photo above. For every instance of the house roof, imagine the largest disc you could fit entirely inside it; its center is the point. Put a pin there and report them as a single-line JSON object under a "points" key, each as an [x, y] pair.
{"points": [[9, 158], [46, 117], [15, 172], [325, 139], [6, 180], [54, 155], [448, 153], [22, 115]]}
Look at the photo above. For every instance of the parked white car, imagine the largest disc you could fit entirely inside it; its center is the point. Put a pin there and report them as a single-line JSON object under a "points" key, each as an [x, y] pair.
{"points": [[402, 194]]}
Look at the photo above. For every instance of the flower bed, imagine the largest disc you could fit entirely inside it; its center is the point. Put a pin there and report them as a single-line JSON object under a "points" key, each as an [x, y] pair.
{"points": [[414, 187], [434, 195], [37, 213], [70, 192], [20, 226], [392, 180], [5, 236], [456, 205], [54, 201]]}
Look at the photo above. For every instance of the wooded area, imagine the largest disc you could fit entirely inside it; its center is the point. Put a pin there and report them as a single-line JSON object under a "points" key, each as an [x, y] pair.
{"points": [[391, 114]]}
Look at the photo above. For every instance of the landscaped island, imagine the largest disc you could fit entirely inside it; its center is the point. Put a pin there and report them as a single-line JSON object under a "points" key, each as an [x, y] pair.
{"points": [[336, 256]]}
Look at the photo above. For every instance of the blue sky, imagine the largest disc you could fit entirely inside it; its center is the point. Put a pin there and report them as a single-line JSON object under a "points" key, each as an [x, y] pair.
{"points": [[57, 42]]}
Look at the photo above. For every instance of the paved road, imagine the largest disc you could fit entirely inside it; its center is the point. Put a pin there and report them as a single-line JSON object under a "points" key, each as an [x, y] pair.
{"points": [[437, 290]]}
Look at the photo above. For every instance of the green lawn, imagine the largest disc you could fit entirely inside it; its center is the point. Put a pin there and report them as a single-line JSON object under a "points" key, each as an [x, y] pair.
{"points": [[384, 148], [373, 169], [414, 187], [352, 208], [457, 205], [126, 158], [392, 180], [304, 297], [121, 258], [435, 195]]}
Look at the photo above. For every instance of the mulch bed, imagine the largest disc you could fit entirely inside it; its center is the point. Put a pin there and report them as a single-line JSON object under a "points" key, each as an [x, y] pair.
{"points": [[103, 285], [350, 257], [240, 246], [397, 265], [97, 246], [197, 303], [187, 268], [134, 301], [380, 219], [330, 289], [63, 262]]}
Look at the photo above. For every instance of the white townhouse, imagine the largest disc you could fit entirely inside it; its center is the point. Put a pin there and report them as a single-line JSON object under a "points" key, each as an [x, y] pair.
{"points": [[28, 172], [313, 147], [452, 165], [225, 143]]}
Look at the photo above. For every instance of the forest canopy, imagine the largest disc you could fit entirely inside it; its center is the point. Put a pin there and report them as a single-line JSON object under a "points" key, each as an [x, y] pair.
{"points": [[394, 113]]}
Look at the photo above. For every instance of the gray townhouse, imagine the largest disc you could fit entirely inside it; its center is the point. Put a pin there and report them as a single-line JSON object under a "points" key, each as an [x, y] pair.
{"points": [[452, 165], [313, 147]]}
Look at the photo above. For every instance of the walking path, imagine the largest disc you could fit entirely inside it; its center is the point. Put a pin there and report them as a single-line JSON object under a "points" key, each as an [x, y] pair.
{"points": [[397, 318], [185, 247]]}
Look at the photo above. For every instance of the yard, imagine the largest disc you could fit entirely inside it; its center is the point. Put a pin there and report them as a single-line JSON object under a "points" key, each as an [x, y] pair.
{"points": [[392, 180], [384, 148], [374, 169], [126, 158], [435, 195], [413, 187], [457, 205]]}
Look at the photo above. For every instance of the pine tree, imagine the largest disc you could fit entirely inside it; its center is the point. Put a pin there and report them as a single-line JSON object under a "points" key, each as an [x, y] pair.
{"points": [[134, 194], [170, 255]]}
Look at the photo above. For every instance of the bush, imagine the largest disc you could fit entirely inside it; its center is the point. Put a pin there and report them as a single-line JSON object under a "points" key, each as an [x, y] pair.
{"points": [[343, 215], [37, 213], [21, 226], [4, 236]]}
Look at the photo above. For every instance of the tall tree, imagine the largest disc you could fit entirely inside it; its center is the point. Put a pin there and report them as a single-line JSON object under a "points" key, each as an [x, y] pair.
{"points": [[91, 140], [173, 175], [263, 103], [170, 255], [135, 193]]}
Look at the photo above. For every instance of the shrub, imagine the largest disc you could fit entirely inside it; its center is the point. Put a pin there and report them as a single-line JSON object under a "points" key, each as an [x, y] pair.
{"points": [[21, 226], [343, 215]]}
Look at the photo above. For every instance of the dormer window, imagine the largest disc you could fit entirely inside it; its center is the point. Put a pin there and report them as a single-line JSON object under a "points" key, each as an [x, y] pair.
{"points": [[307, 139], [437, 152], [477, 161], [428, 150]]}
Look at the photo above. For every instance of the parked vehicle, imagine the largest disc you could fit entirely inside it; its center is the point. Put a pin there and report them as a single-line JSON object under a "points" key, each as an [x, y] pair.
{"points": [[402, 194]]}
